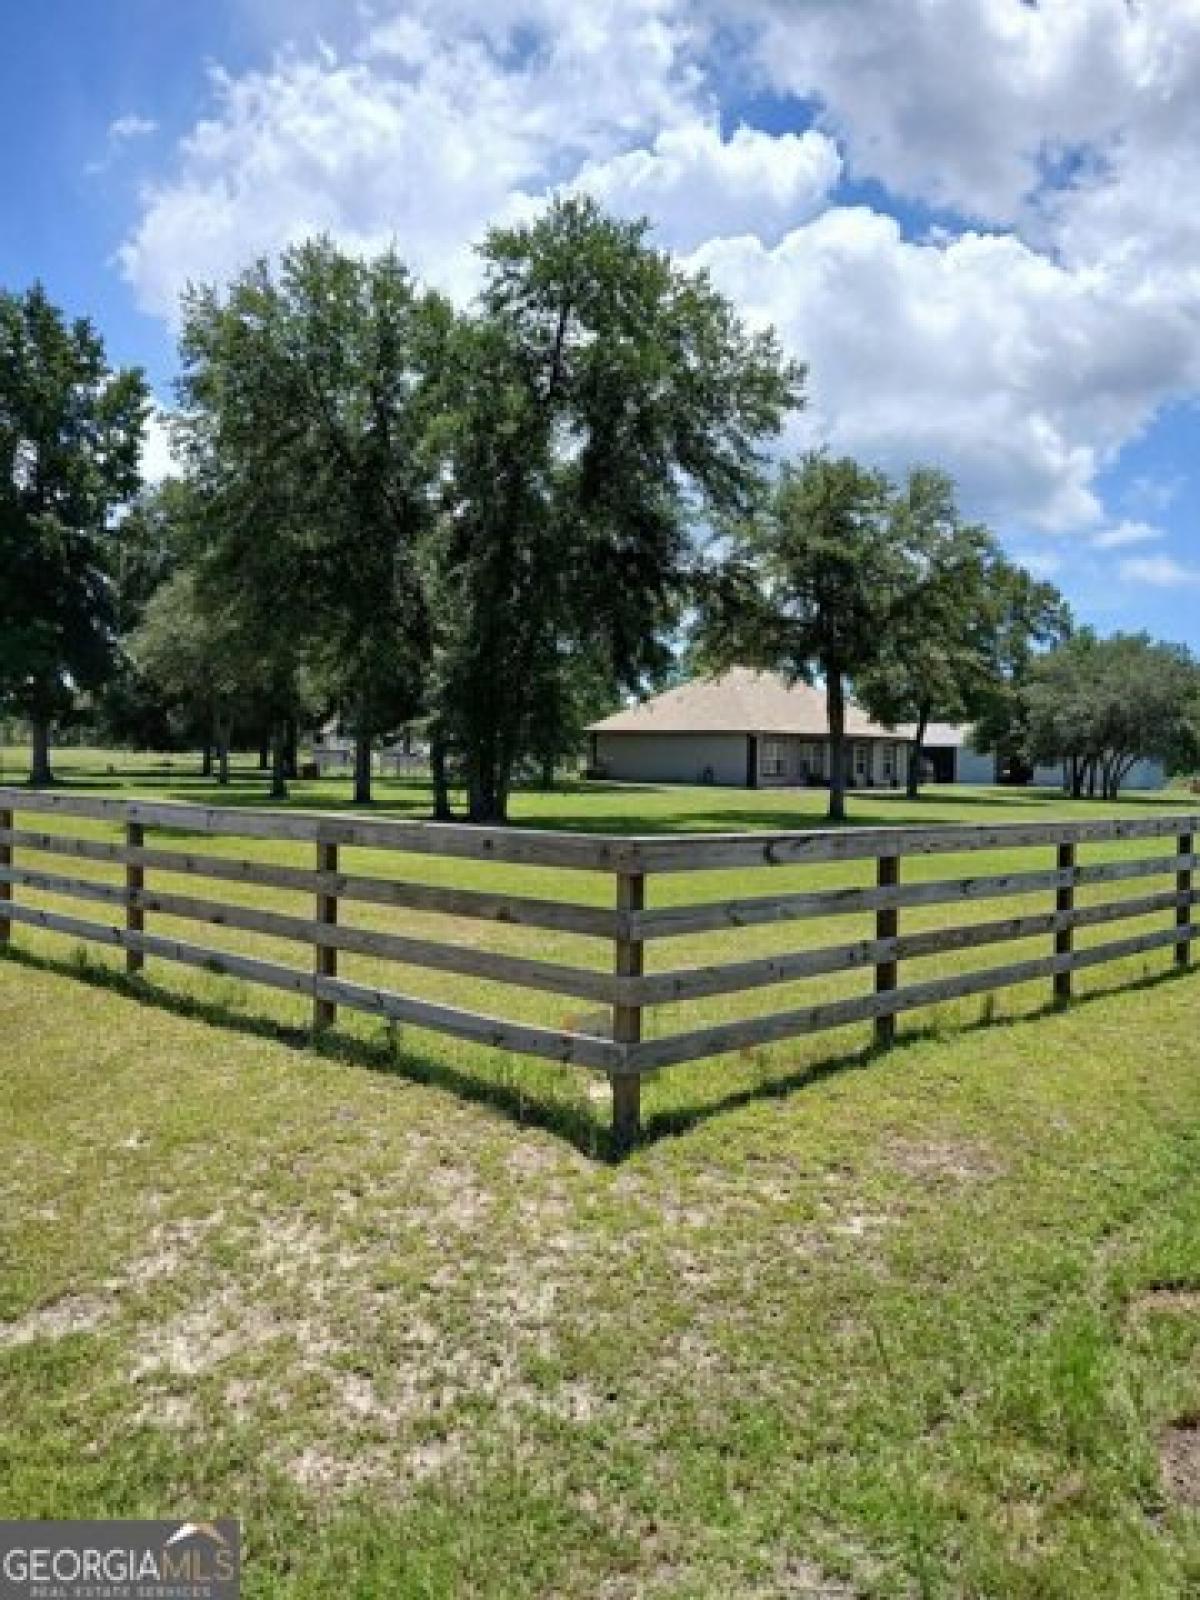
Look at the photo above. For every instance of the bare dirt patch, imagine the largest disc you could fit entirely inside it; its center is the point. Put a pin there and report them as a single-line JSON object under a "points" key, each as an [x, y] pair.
{"points": [[1168, 1297], [1179, 1461], [952, 1160], [79, 1313]]}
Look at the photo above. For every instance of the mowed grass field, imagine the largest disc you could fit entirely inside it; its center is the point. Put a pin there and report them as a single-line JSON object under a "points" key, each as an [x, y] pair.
{"points": [[923, 1322]]}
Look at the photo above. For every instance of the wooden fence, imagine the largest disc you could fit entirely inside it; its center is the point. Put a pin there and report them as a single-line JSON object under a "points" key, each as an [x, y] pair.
{"points": [[627, 925]]}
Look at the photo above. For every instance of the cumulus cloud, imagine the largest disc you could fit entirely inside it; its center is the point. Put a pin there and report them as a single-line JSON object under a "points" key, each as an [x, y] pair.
{"points": [[442, 121], [1021, 377], [695, 185], [975, 105], [1022, 350]]}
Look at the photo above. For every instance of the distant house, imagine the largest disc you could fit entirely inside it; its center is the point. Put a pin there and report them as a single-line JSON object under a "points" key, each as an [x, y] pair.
{"points": [[754, 730], [743, 729]]}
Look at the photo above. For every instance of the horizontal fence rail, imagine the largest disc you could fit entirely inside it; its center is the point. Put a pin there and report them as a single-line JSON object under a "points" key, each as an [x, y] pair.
{"points": [[154, 839]]}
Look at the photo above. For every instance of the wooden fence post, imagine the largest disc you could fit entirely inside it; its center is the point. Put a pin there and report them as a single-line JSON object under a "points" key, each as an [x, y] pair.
{"points": [[135, 882], [887, 926], [326, 956], [6, 855], [627, 1020], [1064, 938], [1183, 913]]}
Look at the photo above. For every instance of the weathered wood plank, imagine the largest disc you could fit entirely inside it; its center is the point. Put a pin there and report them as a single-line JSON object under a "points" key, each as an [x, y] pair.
{"points": [[627, 1018], [6, 856], [597, 922], [887, 924], [528, 846], [599, 852], [325, 956], [703, 1042], [719, 852], [524, 1038], [135, 882], [1064, 936], [693, 983], [1183, 882], [524, 971], [759, 910]]}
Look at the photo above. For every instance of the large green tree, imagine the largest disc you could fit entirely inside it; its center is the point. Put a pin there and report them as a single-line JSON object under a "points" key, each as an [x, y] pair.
{"points": [[600, 401], [1033, 618], [1102, 705], [307, 402], [954, 627], [70, 438], [810, 585], [199, 659]]}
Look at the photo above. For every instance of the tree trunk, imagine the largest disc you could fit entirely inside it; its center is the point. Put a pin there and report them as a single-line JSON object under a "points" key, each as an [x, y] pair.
{"points": [[206, 759], [487, 790], [547, 779], [264, 752], [441, 787], [291, 748], [40, 775], [224, 737], [362, 768], [913, 786], [279, 741], [835, 691]]}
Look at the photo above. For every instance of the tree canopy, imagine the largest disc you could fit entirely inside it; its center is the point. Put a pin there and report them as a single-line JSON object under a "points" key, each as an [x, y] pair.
{"points": [[307, 423], [1102, 705], [601, 400], [70, 440]]}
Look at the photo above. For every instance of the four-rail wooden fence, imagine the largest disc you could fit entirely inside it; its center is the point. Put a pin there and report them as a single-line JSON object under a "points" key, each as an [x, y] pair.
{"points": [[627, 924]]}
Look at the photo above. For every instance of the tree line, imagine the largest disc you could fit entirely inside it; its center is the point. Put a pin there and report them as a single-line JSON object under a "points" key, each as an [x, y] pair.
{"points": [[494, 521]]}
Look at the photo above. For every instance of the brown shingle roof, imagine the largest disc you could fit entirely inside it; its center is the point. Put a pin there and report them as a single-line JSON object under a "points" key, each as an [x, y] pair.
{"points": [[740, 701]]}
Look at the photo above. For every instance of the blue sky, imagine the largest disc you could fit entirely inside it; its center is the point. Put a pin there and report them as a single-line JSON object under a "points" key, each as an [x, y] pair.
{"points": [[968, 216]]}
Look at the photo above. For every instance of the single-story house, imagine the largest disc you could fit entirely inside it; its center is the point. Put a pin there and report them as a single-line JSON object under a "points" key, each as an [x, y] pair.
{"points": [[742, 729], [755, 730]]}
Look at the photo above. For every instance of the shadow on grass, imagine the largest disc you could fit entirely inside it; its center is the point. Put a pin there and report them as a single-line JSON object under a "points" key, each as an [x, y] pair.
{"points": [[569, 1121], [668, 1124], [507, 1096]]}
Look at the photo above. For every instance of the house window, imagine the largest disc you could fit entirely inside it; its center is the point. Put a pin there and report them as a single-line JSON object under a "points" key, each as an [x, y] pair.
{"points": [[862, 762], [773, 763], [889, 764], [810, 760]]}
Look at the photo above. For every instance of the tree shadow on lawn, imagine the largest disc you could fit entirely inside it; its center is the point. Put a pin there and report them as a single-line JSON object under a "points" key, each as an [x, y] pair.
{"points": [[521, 1104]]}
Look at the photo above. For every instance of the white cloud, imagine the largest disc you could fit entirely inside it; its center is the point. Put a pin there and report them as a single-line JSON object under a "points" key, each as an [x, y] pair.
{"points": [[974, 104], [1123, 534], [1023, 358], [978, 353], [695, 185], [425, 135], [1161, 572], [158, 460]]}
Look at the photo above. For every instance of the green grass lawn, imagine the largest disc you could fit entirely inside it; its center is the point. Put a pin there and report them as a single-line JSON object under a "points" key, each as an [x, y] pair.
{"points": [[925, 1322]]}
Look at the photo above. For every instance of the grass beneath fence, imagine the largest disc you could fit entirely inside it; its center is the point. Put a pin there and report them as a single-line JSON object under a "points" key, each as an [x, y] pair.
{"points": [[925, 1322]]}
